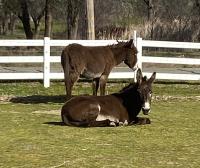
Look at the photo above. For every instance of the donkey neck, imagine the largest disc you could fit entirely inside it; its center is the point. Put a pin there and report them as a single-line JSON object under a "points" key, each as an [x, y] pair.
{"points": [[119, 54], [131, 101]]}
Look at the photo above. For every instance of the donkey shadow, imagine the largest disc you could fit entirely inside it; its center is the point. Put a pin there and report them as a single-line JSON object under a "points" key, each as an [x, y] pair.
{"points": [[55, 123], [36, 99]]}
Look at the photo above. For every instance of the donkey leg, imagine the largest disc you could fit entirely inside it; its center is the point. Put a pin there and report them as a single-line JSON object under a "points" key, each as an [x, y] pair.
{"points": [[102, 123], [103, 80], [95, 86], [140, 121], [68, 88], [69, 83]]}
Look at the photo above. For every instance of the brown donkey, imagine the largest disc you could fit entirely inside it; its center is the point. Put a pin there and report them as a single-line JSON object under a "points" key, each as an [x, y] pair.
{"points": [[112, 110], [95, 63]]}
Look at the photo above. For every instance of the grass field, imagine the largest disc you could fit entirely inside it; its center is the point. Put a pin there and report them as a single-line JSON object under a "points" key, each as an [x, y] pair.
{"points": [[31, 134]]}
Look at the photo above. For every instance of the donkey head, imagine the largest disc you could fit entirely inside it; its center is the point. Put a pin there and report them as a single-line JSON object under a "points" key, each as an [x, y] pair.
{"points": [[131, 55], [145, 90]]}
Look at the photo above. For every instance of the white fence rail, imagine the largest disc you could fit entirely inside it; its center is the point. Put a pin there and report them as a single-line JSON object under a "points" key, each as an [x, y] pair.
{"points": [[168, 60], [46, 59]]}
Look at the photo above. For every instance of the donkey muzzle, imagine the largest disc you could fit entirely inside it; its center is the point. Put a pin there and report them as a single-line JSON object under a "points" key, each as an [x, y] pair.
{"points": [[146, 108], [145, 111], [134, 68]]}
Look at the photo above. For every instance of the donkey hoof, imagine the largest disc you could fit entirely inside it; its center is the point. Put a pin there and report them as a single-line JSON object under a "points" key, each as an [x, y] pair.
{"points": [[144, 121], [121, 124], [148, 121], [125, 123], [112, 124]]}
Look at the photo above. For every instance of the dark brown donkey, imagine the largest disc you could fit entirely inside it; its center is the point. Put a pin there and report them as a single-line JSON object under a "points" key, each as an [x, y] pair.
{"points": [[112, 110], [95, 63]]}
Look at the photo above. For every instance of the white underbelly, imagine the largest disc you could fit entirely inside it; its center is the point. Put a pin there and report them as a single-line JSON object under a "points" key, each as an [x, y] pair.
{"points": [[102, 117]]}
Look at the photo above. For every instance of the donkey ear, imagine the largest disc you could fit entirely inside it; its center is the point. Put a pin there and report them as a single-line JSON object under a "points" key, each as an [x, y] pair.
{"points": [[153, 77], [139, 76], [129, 44]]}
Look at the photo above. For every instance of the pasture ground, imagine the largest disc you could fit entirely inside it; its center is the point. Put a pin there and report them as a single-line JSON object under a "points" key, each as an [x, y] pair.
{"points": [[31, 134]]}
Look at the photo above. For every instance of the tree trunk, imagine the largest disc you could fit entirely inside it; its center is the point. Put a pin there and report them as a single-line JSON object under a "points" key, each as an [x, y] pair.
{"points": [[149, 9], [25, 18], [48, 19], [82, 25], [150, 17], [72, 18], [198, 6], [90, 20], [12, 23], [5, 23], [36, 28]]}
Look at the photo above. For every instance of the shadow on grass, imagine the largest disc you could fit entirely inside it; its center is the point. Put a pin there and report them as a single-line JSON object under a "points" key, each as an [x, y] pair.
{"points": [[55, 123], [36, 99]]}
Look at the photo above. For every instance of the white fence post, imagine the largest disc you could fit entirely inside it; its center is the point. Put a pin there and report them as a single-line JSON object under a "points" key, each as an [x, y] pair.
{"points": [[46, 76], [139, 54]]}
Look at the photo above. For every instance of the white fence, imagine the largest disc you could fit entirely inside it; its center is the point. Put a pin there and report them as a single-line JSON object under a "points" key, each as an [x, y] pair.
{"points": [[46, 59], [168, 60]]}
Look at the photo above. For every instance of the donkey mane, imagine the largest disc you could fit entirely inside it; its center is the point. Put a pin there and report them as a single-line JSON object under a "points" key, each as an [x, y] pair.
{"points": [[119, 44], [131, 85], [128, 95], [128, 87]]}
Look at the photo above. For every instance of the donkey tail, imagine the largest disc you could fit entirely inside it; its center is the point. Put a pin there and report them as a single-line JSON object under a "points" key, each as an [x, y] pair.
{"points": [[65, 62], [66, 66], [74, 123]]}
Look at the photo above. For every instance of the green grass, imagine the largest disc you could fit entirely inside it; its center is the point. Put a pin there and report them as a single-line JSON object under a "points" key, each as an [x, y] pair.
{"points": [[31, 134]]}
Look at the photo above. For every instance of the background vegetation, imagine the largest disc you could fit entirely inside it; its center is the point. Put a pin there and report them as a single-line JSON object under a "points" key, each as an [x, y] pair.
{"points": [[172, 20]]}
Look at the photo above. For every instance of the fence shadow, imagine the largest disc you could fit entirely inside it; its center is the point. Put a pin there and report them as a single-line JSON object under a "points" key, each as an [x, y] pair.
{"points": [[36, 99]]}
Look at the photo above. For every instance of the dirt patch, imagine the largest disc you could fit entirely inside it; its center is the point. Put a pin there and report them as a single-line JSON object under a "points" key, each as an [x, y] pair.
{"points": [[6, 98], [179, 98]]}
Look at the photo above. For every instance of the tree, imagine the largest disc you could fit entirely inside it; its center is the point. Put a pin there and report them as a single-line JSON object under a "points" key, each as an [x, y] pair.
{"points": [[36, 10], [24, 16], [3, 18], [27, 11], [90, 20], [149, 8], [48, 18], [73, 9]]}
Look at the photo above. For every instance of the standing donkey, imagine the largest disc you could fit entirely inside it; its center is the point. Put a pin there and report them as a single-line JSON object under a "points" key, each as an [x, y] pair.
{"points": [[95, 63], [120, 108]]}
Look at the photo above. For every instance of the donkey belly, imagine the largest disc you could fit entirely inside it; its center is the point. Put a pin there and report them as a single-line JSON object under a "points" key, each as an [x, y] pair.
{"points": [[93, 69], [91, 74]]}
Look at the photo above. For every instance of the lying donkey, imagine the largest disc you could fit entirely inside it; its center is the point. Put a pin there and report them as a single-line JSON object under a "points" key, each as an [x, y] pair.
{"points": [[112, 110]]}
